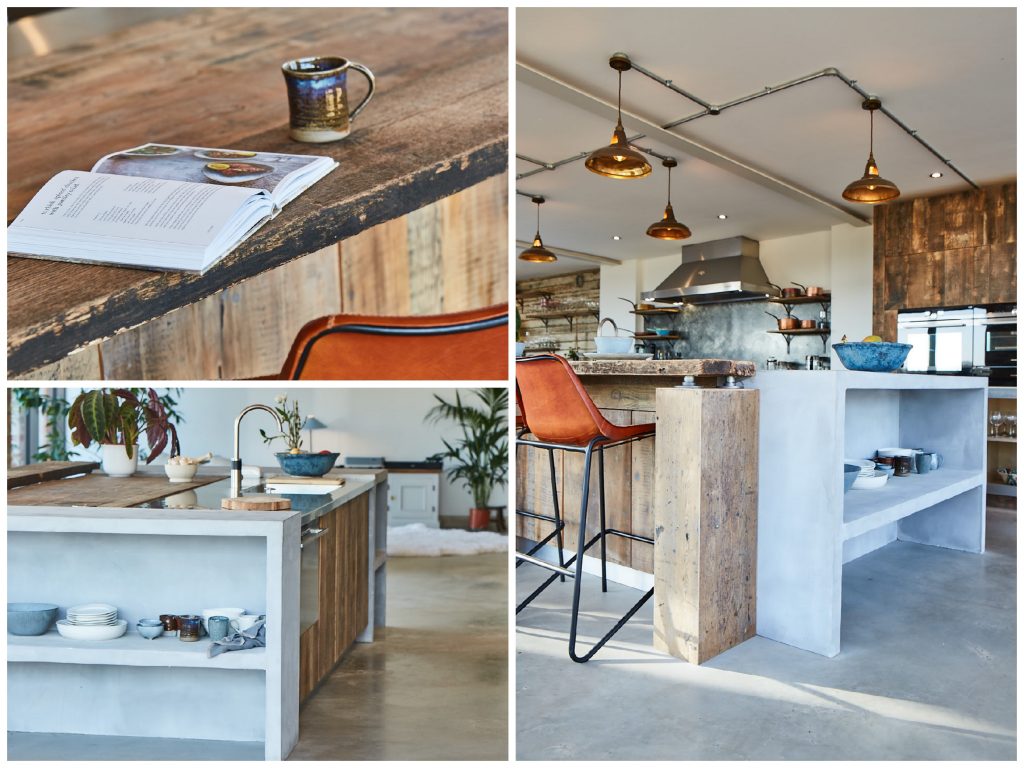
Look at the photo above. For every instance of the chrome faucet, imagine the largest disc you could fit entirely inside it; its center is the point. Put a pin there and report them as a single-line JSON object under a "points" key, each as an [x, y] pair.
{"points": [[236, 458]]}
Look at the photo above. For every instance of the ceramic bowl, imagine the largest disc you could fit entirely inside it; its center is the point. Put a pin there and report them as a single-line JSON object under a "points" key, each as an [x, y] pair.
{"points": [[877, 356], [180, 473], [887, 468], [150, 628], [613, 345], [662, 331], [306, 464], [850, 472], [97, 632], [28, 619], [876, 480]]}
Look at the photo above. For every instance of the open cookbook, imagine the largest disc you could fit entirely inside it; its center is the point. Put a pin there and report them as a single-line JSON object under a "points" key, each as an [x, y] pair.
{"points": [[160, 206]]}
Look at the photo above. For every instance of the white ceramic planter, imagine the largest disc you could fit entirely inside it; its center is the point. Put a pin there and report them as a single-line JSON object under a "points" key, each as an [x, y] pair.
{"points": [[116, 462]]}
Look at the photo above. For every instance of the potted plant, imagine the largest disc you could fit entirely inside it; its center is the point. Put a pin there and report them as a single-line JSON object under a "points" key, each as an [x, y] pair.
{"points": [[296, 461], [479, 458], [114, 419], [520, 340]]}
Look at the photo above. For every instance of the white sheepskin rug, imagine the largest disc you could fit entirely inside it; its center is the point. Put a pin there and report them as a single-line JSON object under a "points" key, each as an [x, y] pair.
{"points": [[417, 540]]}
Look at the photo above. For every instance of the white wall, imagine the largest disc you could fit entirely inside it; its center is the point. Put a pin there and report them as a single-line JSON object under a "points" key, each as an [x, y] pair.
{"points": [[361, 422], [803, 258], [852, 282]]}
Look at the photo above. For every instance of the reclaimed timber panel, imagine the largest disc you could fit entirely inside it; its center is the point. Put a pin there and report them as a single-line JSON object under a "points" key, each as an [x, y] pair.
{"points": [[29, 474], [548, 294], [705, 551], [438, 125], [100, 490], [944, 251], [642, 494]]}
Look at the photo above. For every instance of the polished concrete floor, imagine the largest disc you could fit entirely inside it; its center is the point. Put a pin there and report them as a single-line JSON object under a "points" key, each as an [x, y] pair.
{"points": [[927, 671], [435, 687]]}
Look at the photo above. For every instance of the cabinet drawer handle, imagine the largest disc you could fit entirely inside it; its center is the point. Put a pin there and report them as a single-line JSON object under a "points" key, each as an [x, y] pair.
{"points": [[311, 534]]}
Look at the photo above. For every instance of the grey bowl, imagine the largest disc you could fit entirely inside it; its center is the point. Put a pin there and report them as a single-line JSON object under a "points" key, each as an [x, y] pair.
{"points": [[876, 356], [307, 464], [150, 628], [30, 618], [850, 472]]}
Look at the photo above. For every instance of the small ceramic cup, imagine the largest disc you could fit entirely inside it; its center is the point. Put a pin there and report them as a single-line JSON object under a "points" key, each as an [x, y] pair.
{"points": [[189, 628], [170, 622], [904, 466], [150, 628], [318, 97], [923, 462], [218, 627]]}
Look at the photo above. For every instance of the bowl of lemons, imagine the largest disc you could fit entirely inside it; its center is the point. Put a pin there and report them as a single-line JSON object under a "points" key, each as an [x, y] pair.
{"points": [[872, 354]]}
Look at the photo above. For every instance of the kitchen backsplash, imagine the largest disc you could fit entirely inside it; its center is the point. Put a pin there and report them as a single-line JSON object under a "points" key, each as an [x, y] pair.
{"points": [[737, 331]]}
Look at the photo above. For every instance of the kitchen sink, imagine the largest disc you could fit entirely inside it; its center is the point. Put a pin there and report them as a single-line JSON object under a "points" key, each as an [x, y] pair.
{"points": [[289, 489]]}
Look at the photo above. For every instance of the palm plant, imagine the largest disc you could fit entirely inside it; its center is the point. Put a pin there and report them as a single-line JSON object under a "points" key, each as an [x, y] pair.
{"points": [[479, 458]]}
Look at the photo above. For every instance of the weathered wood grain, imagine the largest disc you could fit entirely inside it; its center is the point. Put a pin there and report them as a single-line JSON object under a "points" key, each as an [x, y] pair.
{"points": [[674, 368], [29, 474], [546, 294], [705, 551], [944, 251], [438, 125], [99, 490]]}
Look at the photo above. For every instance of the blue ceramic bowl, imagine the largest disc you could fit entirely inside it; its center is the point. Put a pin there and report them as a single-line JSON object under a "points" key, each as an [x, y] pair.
{"points": [[306, 464], [887, 468], [877, 356], [663, 331], [850, 472], [30, 618], [150, 628]]}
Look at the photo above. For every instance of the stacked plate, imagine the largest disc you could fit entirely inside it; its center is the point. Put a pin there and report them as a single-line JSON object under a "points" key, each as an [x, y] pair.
{"points": [[868, 477], [867, 468], [92, 621]]}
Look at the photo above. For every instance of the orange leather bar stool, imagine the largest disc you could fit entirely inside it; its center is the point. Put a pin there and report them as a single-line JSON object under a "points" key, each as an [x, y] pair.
{"points": [[462, 345], [561, 416]]}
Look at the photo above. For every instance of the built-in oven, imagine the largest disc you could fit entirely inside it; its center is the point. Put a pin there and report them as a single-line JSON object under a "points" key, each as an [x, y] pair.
{"points": [[975, 340]]}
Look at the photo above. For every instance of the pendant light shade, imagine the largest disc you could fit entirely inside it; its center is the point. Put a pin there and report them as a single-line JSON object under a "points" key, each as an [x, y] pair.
{"points": [[668, 228], [871, 188], [619, 160], [537, 252]]}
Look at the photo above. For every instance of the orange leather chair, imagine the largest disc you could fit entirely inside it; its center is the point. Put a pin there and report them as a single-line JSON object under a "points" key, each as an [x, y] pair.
{"points": [[461, 345], [561, 416]]}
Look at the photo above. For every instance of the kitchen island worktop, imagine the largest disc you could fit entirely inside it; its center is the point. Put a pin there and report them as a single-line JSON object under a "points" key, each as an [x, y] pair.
{"points": [[314, 571], [676, 368]]}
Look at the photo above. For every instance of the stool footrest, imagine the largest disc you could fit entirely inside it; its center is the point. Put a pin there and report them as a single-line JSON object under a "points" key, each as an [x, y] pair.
{"points": [[545, 564]]}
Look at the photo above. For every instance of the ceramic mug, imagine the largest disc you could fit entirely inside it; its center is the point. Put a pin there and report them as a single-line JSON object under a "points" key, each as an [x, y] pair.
{"points": [[170, 622], [245, 622], [904, 466], [189, 628], [936, 459], [231, 613], [318, 97], [218, 627], [923, 462]]}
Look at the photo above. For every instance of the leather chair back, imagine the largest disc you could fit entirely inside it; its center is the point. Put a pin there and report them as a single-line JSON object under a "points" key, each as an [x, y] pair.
{"points": [[554, 402]]}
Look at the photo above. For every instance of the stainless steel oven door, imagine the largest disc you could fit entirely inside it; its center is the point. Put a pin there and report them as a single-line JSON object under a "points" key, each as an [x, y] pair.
{"points": [[309, 576], [943, 341]]}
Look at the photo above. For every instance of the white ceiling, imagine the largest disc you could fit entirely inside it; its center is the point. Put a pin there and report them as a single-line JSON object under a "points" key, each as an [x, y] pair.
{"points": [[949, 73]]}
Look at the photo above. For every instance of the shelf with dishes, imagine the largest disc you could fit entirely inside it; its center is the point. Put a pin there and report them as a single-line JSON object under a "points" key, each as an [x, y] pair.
{"points": [[656, 337], [788, 302], [788, 335], [655, 311]]}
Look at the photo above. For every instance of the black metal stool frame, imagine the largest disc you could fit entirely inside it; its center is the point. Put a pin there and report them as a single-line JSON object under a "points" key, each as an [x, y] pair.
{"points": [[598, 444]]}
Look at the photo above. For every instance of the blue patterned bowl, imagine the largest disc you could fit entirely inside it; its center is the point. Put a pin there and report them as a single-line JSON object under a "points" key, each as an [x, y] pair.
{"points": [[30, 618], [850, 472], [306, 464], [877, 356]]}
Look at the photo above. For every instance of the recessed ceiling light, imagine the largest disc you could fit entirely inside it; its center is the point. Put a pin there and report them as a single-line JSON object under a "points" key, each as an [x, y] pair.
{"points": [[936, 174], [616, 237], [722, 216]]}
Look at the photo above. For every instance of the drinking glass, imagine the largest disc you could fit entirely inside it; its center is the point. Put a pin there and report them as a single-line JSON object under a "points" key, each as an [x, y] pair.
{"points": [[996, 419], [1011, 424]]}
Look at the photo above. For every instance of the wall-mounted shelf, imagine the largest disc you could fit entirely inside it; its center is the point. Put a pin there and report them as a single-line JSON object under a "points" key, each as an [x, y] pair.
{"points": [[788, 335], [655, 337], [824, 301], [656, 311], [569, 315], [1000, 439]]}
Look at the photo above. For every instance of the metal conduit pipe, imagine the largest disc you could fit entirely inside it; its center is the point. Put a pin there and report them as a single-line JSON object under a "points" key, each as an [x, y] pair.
{"points": [[712, 109]]}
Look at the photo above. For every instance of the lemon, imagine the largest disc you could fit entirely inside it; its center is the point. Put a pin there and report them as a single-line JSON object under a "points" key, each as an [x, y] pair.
{"points": [[218, 166], [872, 338]]}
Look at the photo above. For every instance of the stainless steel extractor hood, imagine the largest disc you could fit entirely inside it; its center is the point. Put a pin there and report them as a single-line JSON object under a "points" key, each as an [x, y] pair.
{"points": [[716, 272]]}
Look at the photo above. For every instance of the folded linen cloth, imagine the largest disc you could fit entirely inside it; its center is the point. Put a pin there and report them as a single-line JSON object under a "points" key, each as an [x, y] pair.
{"points": [[254, 637]]}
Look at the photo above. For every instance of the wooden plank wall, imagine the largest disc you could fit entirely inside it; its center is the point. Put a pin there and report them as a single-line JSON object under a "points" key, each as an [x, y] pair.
{"points": [[562, 289], [344, 593], [944, 251], [446, 257]]}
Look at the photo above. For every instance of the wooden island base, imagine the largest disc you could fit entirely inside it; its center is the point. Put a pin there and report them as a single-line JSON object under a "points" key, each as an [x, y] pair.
{"points": [[673, 488]]}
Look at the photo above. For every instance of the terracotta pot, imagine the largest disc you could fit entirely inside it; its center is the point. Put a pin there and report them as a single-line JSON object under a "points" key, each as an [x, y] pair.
{"points": [[479, 518]]}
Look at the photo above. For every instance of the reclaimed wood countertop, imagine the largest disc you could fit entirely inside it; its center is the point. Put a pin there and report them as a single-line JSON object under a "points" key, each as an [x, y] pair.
{"points": [[674, 368], [437, 124]]}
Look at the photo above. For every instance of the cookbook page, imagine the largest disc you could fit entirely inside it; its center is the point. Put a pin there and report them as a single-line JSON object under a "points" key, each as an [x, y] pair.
{"points": [[162, 211], [205, 165]]}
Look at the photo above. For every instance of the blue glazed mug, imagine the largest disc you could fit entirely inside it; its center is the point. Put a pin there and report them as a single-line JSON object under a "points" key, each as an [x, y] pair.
{"points": [[218, 627], [318, 97]]}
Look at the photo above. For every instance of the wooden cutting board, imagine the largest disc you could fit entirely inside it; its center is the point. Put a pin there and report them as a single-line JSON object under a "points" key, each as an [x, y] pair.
{"points": [[258, 501], [327, 479], [47, 470], [99, 490]]}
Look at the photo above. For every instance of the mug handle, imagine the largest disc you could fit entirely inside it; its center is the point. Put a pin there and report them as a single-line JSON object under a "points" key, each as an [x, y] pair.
{"points": [[366, 99]]}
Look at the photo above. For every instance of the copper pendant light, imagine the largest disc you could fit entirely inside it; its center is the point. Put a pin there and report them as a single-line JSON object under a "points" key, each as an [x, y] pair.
{"points": [[619, 160], [871, 188], [537, 252], [668, 228]]}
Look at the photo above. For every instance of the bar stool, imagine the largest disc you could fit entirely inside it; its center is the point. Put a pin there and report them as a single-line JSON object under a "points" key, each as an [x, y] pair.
{"points": [[561, 416]]}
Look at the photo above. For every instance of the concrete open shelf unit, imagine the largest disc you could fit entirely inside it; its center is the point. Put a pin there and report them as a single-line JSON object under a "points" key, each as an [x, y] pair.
{"points": [[808, 528], [147, 562]]}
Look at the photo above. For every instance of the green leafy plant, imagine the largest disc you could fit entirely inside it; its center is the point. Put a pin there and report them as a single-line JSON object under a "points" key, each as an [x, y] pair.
{"points": [[293, 423], [53, 409], [479, 458], [119, 416]]}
